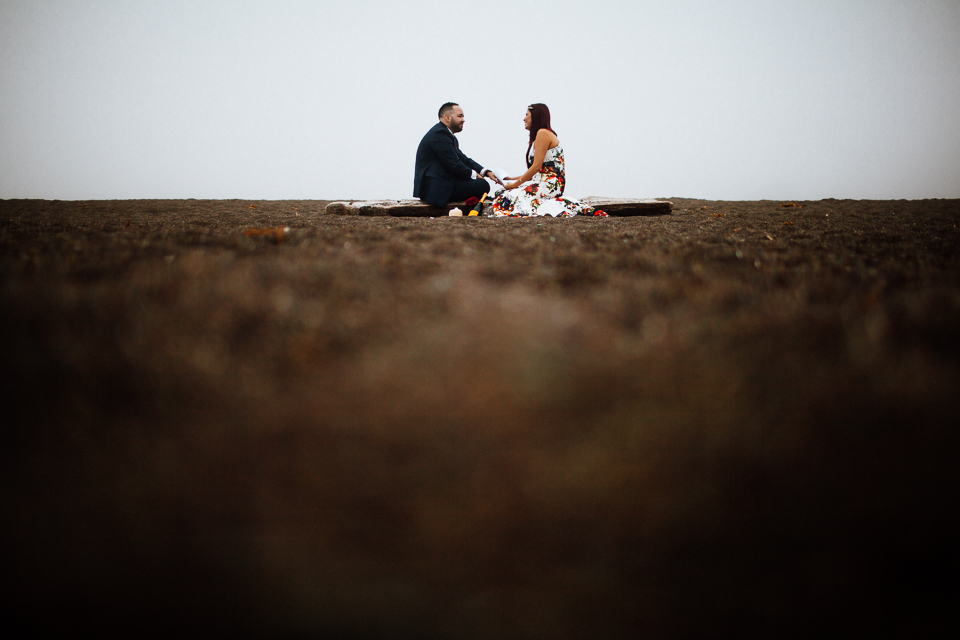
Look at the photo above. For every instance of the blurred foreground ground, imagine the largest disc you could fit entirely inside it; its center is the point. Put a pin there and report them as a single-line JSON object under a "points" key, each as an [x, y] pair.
{"points": [[738, 418]]}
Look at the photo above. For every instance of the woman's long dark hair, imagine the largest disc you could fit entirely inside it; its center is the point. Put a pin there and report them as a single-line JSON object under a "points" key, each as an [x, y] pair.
{"points": [[539, 119]]}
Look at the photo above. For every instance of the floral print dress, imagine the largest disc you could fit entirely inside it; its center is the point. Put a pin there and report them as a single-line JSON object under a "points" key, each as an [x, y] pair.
{"points": [[542, 195]]}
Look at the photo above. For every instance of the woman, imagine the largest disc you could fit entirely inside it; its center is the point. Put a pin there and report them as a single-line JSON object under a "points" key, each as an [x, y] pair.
{"points": [[539, 191]]}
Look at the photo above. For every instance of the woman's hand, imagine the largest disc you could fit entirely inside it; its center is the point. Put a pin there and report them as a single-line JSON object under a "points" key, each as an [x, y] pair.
{"points": [[513, 185]]}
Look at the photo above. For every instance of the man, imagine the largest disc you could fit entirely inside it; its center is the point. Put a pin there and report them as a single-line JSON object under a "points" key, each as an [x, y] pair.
{"points": [[442, 173]]}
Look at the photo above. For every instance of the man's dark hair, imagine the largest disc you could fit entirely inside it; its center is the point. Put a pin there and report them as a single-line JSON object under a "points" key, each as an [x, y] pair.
{"points": [[446, 108]]}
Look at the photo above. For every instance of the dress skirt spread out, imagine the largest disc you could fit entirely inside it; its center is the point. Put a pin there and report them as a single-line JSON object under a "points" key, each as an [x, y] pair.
{"points": [[542, 195]]}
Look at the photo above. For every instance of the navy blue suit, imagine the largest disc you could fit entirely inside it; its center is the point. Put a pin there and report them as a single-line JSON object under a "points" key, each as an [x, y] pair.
{"points": [[442, 173]]}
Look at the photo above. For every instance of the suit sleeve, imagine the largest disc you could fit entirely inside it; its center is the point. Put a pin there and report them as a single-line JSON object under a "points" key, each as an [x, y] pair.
{"points": [[473, 164], [452, 158]]}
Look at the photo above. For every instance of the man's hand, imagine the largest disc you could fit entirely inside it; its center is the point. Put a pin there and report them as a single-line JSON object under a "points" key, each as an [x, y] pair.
{"points": [[493, 177]]}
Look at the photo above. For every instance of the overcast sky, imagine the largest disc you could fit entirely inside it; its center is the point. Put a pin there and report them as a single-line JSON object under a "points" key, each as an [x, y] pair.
{"points": [[327, 100]]}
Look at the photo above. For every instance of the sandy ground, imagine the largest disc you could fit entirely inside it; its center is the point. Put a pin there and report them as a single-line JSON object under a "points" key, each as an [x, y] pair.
{"points": [[741, 416]]}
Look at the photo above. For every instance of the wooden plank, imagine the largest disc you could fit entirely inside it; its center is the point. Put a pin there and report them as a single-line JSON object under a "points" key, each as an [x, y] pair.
{"points": [[416, 208], [629, 206]]}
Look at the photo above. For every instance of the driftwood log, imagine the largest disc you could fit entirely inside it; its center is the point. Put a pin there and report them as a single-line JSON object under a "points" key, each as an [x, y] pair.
{"points": [[416, 208]]}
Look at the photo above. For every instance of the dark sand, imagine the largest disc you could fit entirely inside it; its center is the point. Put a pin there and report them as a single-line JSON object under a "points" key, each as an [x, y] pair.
{"points": [[740, 418]]}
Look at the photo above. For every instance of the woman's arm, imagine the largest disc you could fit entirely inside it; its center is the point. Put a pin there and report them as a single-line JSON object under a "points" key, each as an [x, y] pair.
{"points": [[544, 139]]}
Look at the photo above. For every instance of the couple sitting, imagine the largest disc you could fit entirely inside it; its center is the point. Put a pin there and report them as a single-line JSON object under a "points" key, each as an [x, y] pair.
{"points": [[443, 171]]}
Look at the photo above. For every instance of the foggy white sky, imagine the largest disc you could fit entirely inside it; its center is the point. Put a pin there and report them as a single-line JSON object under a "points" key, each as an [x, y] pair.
{"points": [[327, 100]]}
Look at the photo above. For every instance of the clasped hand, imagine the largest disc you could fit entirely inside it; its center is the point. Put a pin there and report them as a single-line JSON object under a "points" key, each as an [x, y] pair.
{"points": [[493, 176]]}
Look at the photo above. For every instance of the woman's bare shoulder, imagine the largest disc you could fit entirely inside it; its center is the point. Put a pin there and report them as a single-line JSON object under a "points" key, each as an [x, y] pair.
{"points": [[545, 135]]}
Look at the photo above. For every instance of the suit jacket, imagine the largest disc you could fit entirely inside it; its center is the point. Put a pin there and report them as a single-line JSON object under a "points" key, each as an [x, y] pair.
{"points": [[440, 164]]}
